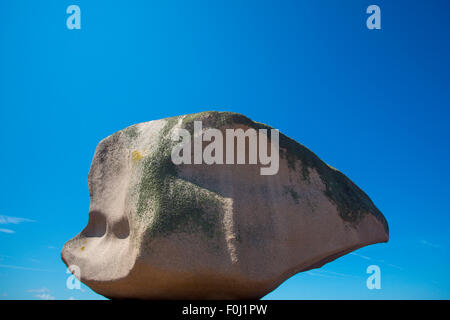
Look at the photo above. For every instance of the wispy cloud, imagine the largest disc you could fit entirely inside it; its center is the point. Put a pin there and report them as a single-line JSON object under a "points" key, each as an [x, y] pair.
{"points": [[13, 220], [8, 266], [7, 231], [330, 274], [319, 273], [361, 256], [376, 260], [429, 244], [42, 293], [45, 296], [394, 266], [41, 290]]}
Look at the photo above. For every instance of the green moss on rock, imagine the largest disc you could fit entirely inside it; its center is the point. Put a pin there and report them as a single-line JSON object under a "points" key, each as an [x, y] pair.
{"points": [[290, 190], [175, 204], [131, 132]]}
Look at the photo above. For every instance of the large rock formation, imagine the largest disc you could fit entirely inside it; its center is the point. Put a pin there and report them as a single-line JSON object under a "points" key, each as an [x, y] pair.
{"points": [[158, 230]]}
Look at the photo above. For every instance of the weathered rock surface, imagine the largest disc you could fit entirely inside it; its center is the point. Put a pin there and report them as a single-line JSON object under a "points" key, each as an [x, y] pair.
{"points": [[161, 231]]}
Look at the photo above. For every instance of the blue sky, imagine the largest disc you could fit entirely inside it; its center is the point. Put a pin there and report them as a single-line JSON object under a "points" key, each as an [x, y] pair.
{"points": [[373, 103]]}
